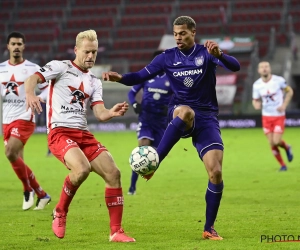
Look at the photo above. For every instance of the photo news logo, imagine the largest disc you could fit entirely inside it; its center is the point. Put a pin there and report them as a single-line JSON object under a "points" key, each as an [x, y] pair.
{"points": [[265, 238]]}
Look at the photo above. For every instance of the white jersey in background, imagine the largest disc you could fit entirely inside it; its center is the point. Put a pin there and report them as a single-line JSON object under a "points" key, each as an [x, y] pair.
{"points": [[71, 90], [271, 94], [12, 87]]}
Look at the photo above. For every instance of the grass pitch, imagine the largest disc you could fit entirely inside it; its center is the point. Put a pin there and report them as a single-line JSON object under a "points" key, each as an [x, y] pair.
{"points": [[168, 212]]}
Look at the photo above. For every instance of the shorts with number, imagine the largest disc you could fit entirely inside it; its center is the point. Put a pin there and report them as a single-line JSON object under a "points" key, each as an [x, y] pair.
{"points": [[19, 129], [273, 124], [60, 140]]}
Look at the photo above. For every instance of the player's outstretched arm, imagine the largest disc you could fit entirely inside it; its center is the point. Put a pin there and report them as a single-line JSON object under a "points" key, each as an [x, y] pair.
{"points": [[33, 101], [103, 114], [111, 76]]}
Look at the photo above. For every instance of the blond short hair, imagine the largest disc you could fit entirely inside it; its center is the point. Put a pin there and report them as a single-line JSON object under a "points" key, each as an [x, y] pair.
{"points": [[91, 35]]}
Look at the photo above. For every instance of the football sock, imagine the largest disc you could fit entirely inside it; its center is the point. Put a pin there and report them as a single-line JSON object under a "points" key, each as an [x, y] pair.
{"points": [[171, 136], [277, 155], [213, 198], [34, 184], [283, 144], [20, 169], [114, 202], [134, 178], [66, 196]]}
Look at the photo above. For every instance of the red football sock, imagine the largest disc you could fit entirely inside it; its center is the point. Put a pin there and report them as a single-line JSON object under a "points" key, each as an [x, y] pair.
{"points": [[34, 184], [277, 155], [20, 169], [66, 196], [114, 201], [283, 144]]}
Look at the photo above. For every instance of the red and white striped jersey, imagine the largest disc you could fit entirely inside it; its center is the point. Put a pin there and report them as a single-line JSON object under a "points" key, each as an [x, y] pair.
{"points": [[271, 94], [12, 88], [71, 90]]}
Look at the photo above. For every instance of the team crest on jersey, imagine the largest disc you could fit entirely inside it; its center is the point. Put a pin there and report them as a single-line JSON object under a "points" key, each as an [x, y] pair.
{"points": [[199, 60], [167, 83], [12, 86], [78, 94], [24, 71]]}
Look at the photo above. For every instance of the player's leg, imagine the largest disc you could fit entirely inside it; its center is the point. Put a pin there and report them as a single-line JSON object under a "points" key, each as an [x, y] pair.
{"points": [[269, 129], [183, 118], [80, 169], [275, 150], [208, 142], [213, 164], [63, 145], [105, 166], [16, 138], [277, 138], [13, 148]]}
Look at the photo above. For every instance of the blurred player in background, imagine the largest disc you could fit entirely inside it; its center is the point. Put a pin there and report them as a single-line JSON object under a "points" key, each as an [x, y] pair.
{"points": [[152, 113], [73, 89], [268, 95], [193, 109], [19, 124]]}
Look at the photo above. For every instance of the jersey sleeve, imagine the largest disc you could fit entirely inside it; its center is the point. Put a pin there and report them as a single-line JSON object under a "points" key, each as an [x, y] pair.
{"points": [[133, 91], [52, 70], [96, 97], [255, 93], [282, 82]]}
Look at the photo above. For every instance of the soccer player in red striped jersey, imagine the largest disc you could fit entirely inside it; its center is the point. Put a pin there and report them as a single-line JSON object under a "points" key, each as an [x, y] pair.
{"points": [[73, 89]]}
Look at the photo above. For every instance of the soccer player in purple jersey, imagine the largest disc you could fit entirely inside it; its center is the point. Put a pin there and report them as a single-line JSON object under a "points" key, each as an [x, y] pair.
{"points": [[152, 112], [193, 109]]}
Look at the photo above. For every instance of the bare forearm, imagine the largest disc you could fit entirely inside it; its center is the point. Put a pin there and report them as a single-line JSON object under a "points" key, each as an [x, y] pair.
{"points": [[288, 98], [30, 84], [104, 116], [256, 104]]}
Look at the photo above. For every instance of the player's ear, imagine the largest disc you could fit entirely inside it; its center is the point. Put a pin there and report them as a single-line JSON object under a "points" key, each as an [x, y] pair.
{"points": [[75, 50]]}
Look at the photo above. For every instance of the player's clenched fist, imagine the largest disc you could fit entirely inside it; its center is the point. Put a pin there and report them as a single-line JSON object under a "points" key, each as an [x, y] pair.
{"points": [[213, 48], [111, 76]]}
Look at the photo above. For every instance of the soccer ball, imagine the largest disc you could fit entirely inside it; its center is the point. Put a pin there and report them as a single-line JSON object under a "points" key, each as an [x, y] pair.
{"points": [[144, 160]]}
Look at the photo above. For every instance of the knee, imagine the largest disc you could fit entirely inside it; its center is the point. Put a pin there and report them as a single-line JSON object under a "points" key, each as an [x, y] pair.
{"points": [[216, 174], [11, 154], [113, 179], [186, 114], [82, 173]]}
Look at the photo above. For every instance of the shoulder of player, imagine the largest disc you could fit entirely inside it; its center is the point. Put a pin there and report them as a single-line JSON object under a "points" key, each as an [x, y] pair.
{"points": [[278, 78], [2, 64], [257, 82]]}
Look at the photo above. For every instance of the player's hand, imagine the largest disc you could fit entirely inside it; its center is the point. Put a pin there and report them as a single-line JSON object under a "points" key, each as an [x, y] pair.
{"points": [[281, 108], [119, 109], [137, 107], [34, 102], [111, 76], [213, 48]]}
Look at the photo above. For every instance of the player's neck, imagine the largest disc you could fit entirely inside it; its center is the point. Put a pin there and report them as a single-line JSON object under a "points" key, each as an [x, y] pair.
{"points": [[15, 61], [267, 78], [189, 51]]}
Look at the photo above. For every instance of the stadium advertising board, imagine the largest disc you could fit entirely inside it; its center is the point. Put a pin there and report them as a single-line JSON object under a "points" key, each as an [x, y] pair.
{"points": [[231, 121], [226, 88]]}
